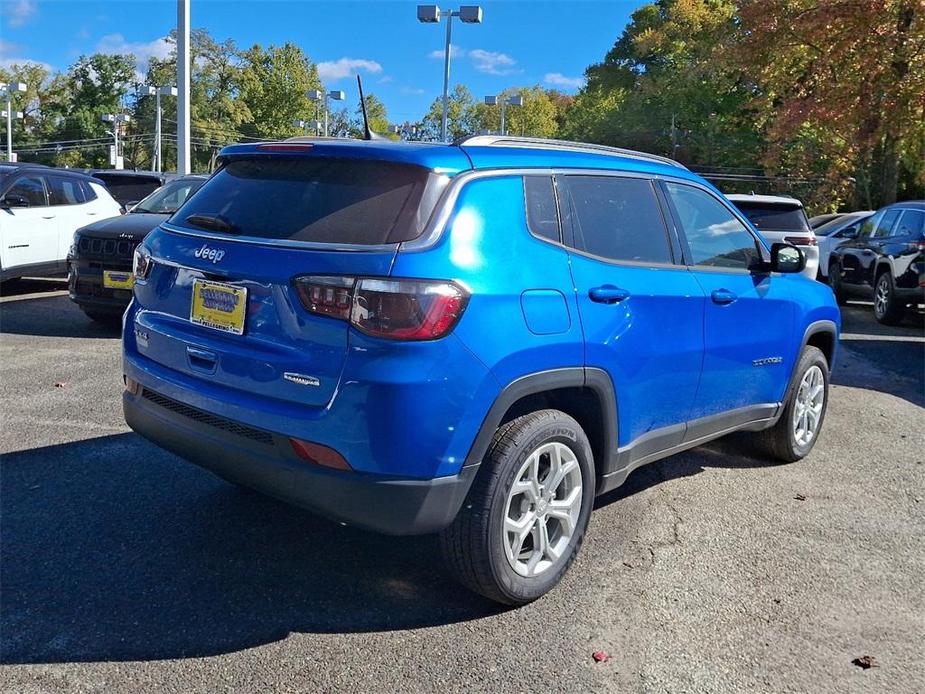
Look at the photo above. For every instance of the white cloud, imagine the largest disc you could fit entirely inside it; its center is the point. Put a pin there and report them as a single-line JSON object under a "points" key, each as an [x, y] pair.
{"points": [[143, 51], [8, 63], [18, 12], [455, 52], [491, 62], [385, 80], [412, 90], [334, 70], [557, 79]]}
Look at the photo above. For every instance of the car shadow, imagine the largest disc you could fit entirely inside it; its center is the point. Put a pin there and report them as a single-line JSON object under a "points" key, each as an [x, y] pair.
{"points": [[891, 355], [116, 550], [49, 316]]}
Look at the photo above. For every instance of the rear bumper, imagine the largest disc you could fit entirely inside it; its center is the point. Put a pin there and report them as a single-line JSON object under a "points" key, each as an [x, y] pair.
{"points": [[265, 461], [85, 288]]}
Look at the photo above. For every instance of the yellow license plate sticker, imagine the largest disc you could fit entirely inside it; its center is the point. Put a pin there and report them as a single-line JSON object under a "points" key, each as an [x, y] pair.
{"points": [[219, 306], [118, 279]]}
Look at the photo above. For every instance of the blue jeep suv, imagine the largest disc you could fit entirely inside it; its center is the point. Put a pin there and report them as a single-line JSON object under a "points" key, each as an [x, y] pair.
{"points": [[473, 339]]}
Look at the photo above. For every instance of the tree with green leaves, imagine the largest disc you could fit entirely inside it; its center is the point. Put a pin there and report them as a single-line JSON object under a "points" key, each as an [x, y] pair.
{"points": [[460, 115]]}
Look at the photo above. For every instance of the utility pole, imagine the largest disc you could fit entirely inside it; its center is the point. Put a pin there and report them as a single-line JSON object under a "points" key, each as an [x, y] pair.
{"points": [[7, 91], [674, 138], [183, 85]]}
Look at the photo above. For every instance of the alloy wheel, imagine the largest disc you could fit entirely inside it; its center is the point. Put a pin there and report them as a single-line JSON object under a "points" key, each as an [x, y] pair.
{"points": [[542, 509], [810, 400]]}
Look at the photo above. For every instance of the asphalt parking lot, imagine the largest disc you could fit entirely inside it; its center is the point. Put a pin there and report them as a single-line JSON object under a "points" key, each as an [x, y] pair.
{"points": [[124, 569]]}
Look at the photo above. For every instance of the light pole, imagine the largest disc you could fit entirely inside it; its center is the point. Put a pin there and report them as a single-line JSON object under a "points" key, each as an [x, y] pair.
{"points": [[314, 125], [318, 96], [117, 119], [157, 161], [431, 14], [515, 100], [6, 90]]}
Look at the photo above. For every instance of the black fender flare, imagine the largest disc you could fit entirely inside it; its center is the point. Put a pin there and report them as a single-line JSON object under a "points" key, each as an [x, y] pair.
{"points": [[594, 379]]}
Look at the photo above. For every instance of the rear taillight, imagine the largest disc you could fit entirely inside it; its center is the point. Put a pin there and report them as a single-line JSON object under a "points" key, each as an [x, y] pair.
{"points": [[917, 245], [395, 309], [801, 240], [141, 263]]}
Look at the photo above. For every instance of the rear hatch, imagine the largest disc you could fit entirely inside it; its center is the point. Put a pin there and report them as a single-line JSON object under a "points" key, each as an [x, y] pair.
{"points": [[786, 221], [260, 231]]}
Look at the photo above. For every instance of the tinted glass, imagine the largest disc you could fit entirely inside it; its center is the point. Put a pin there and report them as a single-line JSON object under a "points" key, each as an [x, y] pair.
{"points": [[842, 222], [540, 197], [88, 192], [912, 223], [321, 200], [167, 200], [714, 236], [617, 218], [126, 189], [64, 191], [885, 225], [30, 188], [770, 217]]}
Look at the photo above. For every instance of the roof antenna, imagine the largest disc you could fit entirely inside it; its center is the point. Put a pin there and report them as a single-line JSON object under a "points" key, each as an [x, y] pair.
{"points": [[367, 133]]}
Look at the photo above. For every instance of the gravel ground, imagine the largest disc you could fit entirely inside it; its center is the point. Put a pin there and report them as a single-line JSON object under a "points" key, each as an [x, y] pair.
{"points": [[125, 569]]}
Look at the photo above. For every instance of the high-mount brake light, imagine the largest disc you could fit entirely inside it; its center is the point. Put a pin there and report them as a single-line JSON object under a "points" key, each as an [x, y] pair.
{"points": [[285, 147], [801, 240], [395, 309]]}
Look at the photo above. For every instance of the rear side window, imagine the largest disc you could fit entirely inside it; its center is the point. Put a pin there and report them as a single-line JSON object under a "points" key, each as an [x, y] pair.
{"points": [[912, 223], [714, 236], [617, 218], [770, 217], [314, 199], [29, 189], [542, 216], [64, 191]]}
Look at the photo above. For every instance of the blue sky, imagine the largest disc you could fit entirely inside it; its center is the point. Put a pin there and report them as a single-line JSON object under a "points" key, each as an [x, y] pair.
{"points": [[519, 43]]}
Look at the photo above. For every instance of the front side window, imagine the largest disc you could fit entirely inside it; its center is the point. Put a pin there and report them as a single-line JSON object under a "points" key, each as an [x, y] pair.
{"points": [[617, 218], [715, 237], [28, 191], [885, 224], [64, 191]]}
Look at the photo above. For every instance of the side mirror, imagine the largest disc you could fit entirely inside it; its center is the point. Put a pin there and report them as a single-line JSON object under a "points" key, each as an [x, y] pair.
{"points": [[14, 200], [849, 233], [785, 257]]}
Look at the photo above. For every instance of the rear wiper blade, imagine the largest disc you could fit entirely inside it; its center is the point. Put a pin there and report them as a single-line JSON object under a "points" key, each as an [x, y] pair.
{"points": [[215, 222]]}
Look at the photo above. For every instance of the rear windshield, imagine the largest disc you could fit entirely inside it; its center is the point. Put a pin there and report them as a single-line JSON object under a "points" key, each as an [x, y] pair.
{"points": [[770, 217], [128, 189], [315, 199]]}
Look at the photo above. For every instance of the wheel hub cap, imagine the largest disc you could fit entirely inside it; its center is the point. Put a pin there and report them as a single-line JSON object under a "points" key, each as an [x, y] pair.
{"points": [[542, 509], [809, 402]]}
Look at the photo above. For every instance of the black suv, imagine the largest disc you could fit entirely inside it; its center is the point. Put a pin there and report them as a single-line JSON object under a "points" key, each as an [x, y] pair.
{"points": [[885, 261], [100, 261]]}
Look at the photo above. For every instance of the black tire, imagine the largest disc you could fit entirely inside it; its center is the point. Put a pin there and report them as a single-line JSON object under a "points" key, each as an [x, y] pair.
{"points": [[893, 310], [779, 442], [473, 546], [110, 319], [836, 284]]}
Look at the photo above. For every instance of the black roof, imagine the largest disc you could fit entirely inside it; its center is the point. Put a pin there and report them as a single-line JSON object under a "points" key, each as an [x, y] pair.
{"points": [[13, 167]]}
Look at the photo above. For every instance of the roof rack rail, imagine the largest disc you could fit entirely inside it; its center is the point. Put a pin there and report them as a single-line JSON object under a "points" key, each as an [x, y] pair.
{"points": [[565, 145]]}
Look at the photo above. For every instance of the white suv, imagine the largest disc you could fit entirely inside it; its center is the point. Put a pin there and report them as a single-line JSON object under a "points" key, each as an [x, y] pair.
{"points": [[40, 209], [780, 218]]}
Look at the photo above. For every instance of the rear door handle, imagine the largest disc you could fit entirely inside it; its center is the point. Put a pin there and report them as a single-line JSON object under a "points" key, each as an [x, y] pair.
{"points": [[722, 296], [607, 294], [51, 216]]}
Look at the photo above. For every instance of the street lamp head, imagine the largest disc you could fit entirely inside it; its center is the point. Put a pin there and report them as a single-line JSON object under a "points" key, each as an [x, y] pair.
{"points": [[491, 101], [167, 91], [145, 90], [17, 86], [315, 95], [124, 118], [16, 114], [470, 14], [515, 100], [108, 118], [428, 14], [336, 95], [298, 123]]}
